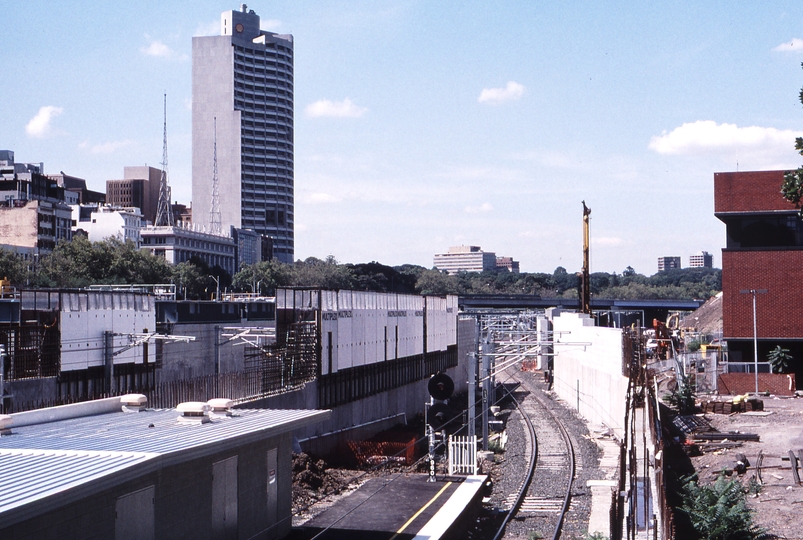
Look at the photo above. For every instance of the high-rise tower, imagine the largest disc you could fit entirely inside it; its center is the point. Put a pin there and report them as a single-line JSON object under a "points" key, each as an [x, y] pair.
{"points": [[244, 78]]}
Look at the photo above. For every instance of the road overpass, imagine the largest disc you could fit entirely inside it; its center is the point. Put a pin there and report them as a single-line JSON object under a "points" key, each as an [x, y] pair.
{"points": [[651, 309]]}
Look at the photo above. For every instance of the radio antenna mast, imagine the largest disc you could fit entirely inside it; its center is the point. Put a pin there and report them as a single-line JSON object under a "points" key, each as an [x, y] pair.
{"points": [[164, 212], [214, 213]]}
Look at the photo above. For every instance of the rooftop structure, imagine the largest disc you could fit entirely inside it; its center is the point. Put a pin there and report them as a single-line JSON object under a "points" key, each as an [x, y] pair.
{"points": [[200, 470], [242, 96]]}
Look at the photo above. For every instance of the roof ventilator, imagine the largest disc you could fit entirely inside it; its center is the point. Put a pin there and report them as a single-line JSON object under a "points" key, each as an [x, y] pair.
{"points": [[5, 424], [221, 407], [133, 402], [193, 412]]}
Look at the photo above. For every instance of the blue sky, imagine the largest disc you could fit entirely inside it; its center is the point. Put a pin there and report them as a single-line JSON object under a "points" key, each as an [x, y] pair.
{"points": [[423, 125]]}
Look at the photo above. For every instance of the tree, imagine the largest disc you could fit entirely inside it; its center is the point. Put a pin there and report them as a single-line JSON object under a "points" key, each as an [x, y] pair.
{"points": [[190, 280], [436, 282], [792, 186], [780, 359], [14, 268], [327, 274], [265, 276]]}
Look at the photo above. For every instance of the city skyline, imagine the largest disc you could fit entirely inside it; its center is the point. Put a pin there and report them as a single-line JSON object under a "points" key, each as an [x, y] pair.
{"points": [[420, 127]]}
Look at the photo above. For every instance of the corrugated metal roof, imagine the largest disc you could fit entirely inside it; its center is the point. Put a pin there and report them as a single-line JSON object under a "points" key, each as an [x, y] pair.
{"points": [[38, 461], [30, 475], [152, 431]]}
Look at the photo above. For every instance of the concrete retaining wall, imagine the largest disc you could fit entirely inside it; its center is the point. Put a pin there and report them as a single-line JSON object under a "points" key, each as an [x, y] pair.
{"points": [[588, 370]]}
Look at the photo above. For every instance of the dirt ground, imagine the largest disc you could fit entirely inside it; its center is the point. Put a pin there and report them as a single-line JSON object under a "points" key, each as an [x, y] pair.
{"points": [[779, 504]]}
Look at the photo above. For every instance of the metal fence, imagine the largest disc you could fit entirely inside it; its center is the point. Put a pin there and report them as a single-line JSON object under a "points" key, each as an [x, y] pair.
{"points": [[462, 455]]}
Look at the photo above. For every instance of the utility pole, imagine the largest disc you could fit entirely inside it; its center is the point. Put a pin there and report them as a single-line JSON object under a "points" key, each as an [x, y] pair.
{"points": [[487, 350], [217, 360], [108, 368]]}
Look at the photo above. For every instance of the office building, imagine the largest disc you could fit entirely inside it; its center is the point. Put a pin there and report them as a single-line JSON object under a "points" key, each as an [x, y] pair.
{"points": [[139, 187], [465, 259], [668, 263], [34, 214], [73, 184], [100, 222], [701, 259], [180, 243], [242, 113], [507, 264]]}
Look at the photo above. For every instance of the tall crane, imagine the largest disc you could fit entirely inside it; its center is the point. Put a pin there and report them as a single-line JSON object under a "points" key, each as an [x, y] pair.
{"points": [[585, 284]]}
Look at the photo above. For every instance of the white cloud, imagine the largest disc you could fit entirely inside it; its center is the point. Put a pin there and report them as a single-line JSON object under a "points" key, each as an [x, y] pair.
{"points": [[706, 137], [105, 148], [160, 50], [495, 96], [790, 46], [481, 209], [334, 109], [39, 126]]}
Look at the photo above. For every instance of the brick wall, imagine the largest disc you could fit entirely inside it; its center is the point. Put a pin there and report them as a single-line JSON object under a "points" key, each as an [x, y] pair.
{"points": [[779, 384], [758, 191], [779, 312]]}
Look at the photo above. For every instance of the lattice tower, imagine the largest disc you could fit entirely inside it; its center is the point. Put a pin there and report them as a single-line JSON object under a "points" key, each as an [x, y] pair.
{"points": [[215, 226], [164, 212]]}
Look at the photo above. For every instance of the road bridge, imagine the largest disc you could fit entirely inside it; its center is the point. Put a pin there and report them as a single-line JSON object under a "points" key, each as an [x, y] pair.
{"points": [[651, 309]]}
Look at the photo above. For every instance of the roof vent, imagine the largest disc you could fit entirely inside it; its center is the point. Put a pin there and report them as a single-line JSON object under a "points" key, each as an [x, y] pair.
{"points": [[221, 406], [133, 402], [193, 412], [5, 424]]}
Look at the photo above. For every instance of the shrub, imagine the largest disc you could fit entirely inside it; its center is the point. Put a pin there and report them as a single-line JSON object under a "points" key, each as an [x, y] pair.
{"points": [[719, 511]]}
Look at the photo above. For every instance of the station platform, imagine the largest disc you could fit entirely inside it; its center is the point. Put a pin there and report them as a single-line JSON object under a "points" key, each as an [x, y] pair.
{"points": [[400, 508]]}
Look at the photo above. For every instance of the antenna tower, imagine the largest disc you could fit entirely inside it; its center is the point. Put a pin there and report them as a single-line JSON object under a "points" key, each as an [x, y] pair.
{"points": [[214, 213], [164, 212]]}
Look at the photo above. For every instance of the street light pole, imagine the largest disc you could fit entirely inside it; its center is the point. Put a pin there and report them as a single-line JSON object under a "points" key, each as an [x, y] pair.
{"points": [[753, 292], [217, 290], [755, 339]]}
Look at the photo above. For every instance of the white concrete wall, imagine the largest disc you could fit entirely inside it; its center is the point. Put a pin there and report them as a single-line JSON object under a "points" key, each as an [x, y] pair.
{"points": [[588, 370], [85, 316]]}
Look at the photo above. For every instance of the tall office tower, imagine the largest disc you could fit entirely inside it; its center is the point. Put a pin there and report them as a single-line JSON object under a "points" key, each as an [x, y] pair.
{"points": [[244, 79]]}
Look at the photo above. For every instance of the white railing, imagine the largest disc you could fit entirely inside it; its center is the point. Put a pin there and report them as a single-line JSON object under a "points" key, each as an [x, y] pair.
{"points": [[462, 455]]}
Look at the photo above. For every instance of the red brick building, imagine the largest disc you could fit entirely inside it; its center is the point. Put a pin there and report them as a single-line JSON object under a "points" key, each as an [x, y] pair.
{"points": [[764, 251]]}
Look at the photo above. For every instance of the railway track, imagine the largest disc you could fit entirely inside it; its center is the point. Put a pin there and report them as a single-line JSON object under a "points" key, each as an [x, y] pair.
{"points": [[544, 496]]}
